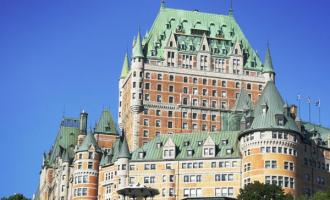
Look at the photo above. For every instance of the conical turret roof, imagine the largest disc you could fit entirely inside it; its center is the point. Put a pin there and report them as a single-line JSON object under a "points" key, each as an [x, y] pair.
{"points": [[124, 150], [125, 69], [88, 141], [137, 49], [272, 100], [268, 64]]}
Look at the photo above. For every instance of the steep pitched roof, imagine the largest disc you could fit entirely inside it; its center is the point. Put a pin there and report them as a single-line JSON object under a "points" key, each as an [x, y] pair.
{"points": [[124, 151], [272, 99], [222, 31], [106, 124], [88, 142], [66, 139], [137, 49], [125, 68], [112, 155], [268, 64], [323, 131], [196, 140], [243, 102]]}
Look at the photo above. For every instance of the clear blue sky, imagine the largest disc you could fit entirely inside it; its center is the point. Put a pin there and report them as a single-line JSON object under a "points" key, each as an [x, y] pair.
{"points": [[67, 55]]}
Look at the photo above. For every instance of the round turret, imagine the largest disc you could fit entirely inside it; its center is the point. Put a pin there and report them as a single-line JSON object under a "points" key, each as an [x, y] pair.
{"points": [[86, 165], [270, 146]]}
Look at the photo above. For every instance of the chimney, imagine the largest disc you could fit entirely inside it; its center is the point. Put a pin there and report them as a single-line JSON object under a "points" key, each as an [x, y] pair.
{"points": [[83, 123], [293, 111]]}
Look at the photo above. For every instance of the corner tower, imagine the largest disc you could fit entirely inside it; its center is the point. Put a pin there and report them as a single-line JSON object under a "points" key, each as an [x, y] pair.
{"points": [[86, 168], [137, 73], [270, 146]]}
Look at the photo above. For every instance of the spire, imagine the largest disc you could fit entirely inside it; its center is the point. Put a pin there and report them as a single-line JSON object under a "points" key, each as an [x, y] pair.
{"points": [[231, 8], [124, 151], [137, 49], [268, 64], [125, 68], [162, 4]]}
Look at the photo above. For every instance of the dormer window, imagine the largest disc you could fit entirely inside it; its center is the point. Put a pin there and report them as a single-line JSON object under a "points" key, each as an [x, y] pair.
{"points": [[264, 108], [200, 143], [280, 119], [153, 52], [186, 143], [159, 144], [141, 155], [224, 142], [190, 152], [229, 151], [208, 152], [169, 154]]}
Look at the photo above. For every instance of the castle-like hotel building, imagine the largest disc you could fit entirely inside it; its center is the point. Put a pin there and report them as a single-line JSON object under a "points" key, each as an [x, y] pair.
{"points": [[200, 116]]}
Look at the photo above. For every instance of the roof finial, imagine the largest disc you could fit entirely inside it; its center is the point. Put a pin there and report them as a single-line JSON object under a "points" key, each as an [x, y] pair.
{"points": [[162, 3], [231, 8]]}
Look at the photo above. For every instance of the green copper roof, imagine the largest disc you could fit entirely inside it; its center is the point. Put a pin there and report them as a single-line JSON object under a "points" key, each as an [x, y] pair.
{"points": [[106, 124], [111, 156], [125, 69], [137, 49], [268, 65], [243, 102], [88, 141], [189, 26], [124, 151], [66, 156], [323, 131], [196, 141], [271, 99], [66, 140]]}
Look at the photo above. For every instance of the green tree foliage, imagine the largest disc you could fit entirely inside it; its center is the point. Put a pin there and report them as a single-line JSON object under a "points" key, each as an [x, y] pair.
{"points": [[260, 191], [15, 197]]}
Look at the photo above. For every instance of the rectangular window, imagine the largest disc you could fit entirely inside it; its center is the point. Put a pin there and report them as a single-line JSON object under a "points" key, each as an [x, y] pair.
{"points": [[171, 88], [158, 123], [169, 124], [147, 97], [90, 165], [159, 98], [147, 86], [146, 122], [145, 133], [170, 99]]}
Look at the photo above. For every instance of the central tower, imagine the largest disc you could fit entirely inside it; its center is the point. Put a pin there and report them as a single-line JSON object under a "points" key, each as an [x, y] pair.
{"points": [[185, 75]]}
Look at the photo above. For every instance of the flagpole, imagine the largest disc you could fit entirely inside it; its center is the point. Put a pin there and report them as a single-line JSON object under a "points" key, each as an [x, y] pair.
{"points": [[319, 106], [309, 109], [320, 115]]}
